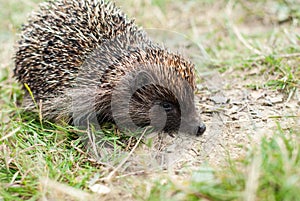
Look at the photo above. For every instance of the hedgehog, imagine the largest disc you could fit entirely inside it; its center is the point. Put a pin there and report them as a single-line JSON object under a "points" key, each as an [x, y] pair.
{"points": [[85, 62]]}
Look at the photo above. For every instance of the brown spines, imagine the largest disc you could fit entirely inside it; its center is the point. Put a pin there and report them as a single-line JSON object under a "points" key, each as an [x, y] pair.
{"points": [[183, 67]]}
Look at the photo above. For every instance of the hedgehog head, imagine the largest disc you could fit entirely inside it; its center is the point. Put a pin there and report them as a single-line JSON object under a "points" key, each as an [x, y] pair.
{"points": [[154, 95]]}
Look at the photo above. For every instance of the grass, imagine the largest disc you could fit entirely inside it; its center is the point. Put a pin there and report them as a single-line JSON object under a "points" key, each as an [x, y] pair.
{"points": [[256, 42]]}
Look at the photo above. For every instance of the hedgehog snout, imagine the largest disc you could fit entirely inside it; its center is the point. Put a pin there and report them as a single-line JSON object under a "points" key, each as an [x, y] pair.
{"points": [[201, 129], [196, 128], [193, 126]]}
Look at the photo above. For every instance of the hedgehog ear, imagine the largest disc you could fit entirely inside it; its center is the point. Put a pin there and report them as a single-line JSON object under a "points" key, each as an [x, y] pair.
{"points": [[141, 79]]}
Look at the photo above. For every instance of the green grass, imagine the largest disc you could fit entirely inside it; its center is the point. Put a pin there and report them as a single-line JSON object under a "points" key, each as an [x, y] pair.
{"points": [[33, 150]]}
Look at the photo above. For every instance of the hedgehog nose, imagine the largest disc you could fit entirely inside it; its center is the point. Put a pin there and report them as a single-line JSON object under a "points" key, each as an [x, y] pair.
{"points": [[201, 129]]}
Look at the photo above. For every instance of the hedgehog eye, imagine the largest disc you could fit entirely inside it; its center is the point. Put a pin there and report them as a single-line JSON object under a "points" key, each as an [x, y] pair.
{"points": [[167, 106]]}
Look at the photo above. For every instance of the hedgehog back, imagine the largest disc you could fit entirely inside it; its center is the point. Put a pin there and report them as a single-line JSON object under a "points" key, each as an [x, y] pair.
{"points": [[59, 37]]}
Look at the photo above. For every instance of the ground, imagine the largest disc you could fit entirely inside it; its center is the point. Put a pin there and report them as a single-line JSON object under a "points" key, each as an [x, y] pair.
{"points": [[247, 57]]}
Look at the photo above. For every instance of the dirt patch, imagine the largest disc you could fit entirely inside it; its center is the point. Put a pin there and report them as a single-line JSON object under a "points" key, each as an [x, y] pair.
{"points": [[239, 117]]}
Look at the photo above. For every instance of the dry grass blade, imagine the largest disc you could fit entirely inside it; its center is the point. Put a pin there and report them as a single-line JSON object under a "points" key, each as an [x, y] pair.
{"points": [[112, 173]]}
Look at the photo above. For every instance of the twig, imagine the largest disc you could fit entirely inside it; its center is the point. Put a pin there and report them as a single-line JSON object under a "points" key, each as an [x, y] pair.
{"points": [[92, 139], [10, 134], [291, 94], [242, 39], [131, 174], [238, 33]]}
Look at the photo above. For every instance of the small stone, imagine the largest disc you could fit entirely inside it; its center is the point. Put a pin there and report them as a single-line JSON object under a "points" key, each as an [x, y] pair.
{"points": [[258, 94], [100, 189], [276, 100], [267, 103], [218, 99]]}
